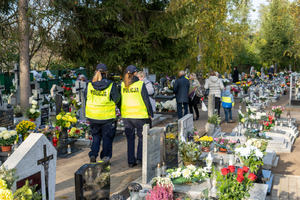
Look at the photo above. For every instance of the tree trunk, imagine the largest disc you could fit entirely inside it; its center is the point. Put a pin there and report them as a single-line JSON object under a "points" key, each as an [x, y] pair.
{"points": [[24, 54]]}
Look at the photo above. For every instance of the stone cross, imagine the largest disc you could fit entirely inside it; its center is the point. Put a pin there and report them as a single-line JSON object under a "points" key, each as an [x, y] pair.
{"points": [[45, 162], [37, 96]]}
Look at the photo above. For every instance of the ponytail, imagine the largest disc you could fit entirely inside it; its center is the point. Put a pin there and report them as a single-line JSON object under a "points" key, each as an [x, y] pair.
{"points": [[97, 76], [128, 79]]}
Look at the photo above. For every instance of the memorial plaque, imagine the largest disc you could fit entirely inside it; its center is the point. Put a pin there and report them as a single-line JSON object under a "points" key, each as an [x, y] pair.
{"points": [[92, 181], [6, 118], [44, 115]]}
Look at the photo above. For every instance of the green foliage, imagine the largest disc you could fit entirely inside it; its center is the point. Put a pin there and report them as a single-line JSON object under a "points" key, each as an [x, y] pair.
{"points": [[189, 151], [27, 193], [215, 119]]}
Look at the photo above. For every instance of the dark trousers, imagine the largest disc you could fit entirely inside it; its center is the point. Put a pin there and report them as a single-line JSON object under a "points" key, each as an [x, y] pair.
{"points": [[181, 106], [106, 133], [218, 104], [133, 126], [228, 114], [193, 104]]}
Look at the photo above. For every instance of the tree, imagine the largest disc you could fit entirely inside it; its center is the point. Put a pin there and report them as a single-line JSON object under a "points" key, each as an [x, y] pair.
{"points": [[24, 54], [277, 33]]}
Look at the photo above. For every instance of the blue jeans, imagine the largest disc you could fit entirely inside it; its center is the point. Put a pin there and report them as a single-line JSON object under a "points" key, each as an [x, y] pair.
{"points": [[227, 112], [106, 133], [133, 126], [179, 109]]}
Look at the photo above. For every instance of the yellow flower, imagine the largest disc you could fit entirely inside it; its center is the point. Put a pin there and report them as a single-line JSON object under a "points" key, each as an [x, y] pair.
{"points": [[29, 192], [243, 120], [170, 136], [3, 184], [6, 194], [74, 120], [64, 118], [68, 124], [58, 117]]}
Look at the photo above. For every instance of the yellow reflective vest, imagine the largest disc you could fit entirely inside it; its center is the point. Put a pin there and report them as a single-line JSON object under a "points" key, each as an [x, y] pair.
{"points": [[133, 105], [98, 104], [227, 102]]}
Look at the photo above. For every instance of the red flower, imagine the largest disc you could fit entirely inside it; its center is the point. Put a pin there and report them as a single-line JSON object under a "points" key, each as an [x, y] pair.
{"points": [[240, 171], [231, 168], [240, 178], [68, 88], [64, 87], [224, 171], [77, 131], [270, 118], [252, 177], [245, 169]]}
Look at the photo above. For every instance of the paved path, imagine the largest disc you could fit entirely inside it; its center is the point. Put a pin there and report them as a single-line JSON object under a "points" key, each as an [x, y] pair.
{"points": [[285, 187]]}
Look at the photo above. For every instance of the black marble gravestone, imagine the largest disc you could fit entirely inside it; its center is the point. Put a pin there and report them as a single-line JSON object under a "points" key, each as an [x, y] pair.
{"points": [[92, 181], [44, 116], [171, 145]]}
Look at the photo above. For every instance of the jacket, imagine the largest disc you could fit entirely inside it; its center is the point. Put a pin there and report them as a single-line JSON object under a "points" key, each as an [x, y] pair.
{"points": [[150, 90], [181, 90], [235, 76], [145, 97], [227, 93], [114, 96], [215, 86]]}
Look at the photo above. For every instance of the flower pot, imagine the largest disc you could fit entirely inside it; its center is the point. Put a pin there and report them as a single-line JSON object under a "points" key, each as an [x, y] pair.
{"points": [[205, 149], [5, 148], [188, 163], [222, 150]]}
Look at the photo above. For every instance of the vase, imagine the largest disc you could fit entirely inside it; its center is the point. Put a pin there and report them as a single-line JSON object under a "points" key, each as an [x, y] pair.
{"points": [[222, 150], [5, 148], [187, 163], [205, 149]]}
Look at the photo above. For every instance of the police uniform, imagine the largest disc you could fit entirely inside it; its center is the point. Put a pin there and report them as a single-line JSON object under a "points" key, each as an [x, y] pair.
{"points": [[135, 110], [101, 112]]}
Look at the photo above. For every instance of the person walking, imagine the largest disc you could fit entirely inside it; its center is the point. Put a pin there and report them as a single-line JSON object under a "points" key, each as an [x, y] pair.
{"points": [[181, 90], [102, 96], [194, 95], [149, 86], [227, 104], [235, 75], [215, 86], [136, 111]]}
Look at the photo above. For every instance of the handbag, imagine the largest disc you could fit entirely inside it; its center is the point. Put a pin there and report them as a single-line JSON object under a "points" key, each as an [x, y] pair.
{"points": [[203, 106]]}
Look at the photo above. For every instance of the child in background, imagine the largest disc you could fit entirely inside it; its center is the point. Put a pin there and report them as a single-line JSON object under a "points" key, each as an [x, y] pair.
{"points": [[227, 103]]}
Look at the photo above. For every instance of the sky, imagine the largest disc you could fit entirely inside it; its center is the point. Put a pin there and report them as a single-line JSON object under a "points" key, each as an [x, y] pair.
{"points": [[254, 14]]}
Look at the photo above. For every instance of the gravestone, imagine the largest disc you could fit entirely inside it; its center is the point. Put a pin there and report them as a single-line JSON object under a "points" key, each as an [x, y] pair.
{"points": [[6, 117], [171, 146], [79, 88], [92, 181], [35, 161], [2, 88], [151, 152], [185, 126], [44, 115], [57, 93]]}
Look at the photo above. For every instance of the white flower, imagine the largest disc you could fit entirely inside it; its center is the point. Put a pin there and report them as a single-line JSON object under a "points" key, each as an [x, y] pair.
{"points": [[197, 173], [186, 173], [259, 154], [176, 174], [2, 129], [32, 111], [13, 133], [34, 102], [33, 106], [6, 136], [192, 168], [65, 102]]}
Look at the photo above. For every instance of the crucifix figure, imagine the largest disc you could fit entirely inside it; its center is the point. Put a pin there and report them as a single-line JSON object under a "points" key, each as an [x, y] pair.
{"points": [[37, 97], [45, 162]]}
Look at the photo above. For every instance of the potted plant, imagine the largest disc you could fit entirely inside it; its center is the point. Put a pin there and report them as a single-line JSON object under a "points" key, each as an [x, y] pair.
{"points": [[187, 174], [189, 152], [7, 139], [75, 132], [205, 142], [277, 110], [171, 140], [251, 156], [213, 122], [18, 111], [64, 121], [33, 113], [234, 185], [222, 144], [24, 127]]}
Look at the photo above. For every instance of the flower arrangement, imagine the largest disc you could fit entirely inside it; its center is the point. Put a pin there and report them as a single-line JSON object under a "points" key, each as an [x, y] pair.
{"points": [[205, 141], [215, 119], [7, 138], [261, 144], [241, 117], [33, 113], [277, 110], [75, 132], [24, 126], [245, 87], [251, 156], [160, 193], [232, 185], [171, 136], [188, 174], [73, 101], [189, 152], [162, 181], [221, 142], [65, 120]]}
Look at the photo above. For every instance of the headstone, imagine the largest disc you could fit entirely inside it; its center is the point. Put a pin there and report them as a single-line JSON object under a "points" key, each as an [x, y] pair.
{"points": [[171, 146], [35, 161], [80, 86], [2, 88], [151, 152], [92, 181], [6, 117], [185, 126], [44, 115]]}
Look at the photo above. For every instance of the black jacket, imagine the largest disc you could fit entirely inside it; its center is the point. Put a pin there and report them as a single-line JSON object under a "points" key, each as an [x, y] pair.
{"points": [[181, 90], [114, 96], [145, 97], [235, 76]]}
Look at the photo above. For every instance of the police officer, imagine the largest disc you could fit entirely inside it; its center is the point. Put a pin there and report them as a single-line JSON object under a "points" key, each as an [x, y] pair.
{"points": [[102, 96], [136, 111]]}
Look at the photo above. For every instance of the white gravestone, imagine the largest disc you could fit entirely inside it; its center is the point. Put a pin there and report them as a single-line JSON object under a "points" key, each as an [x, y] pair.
{"points": [[151, 152], [185, 126], [35, 161], [79, 89]]}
